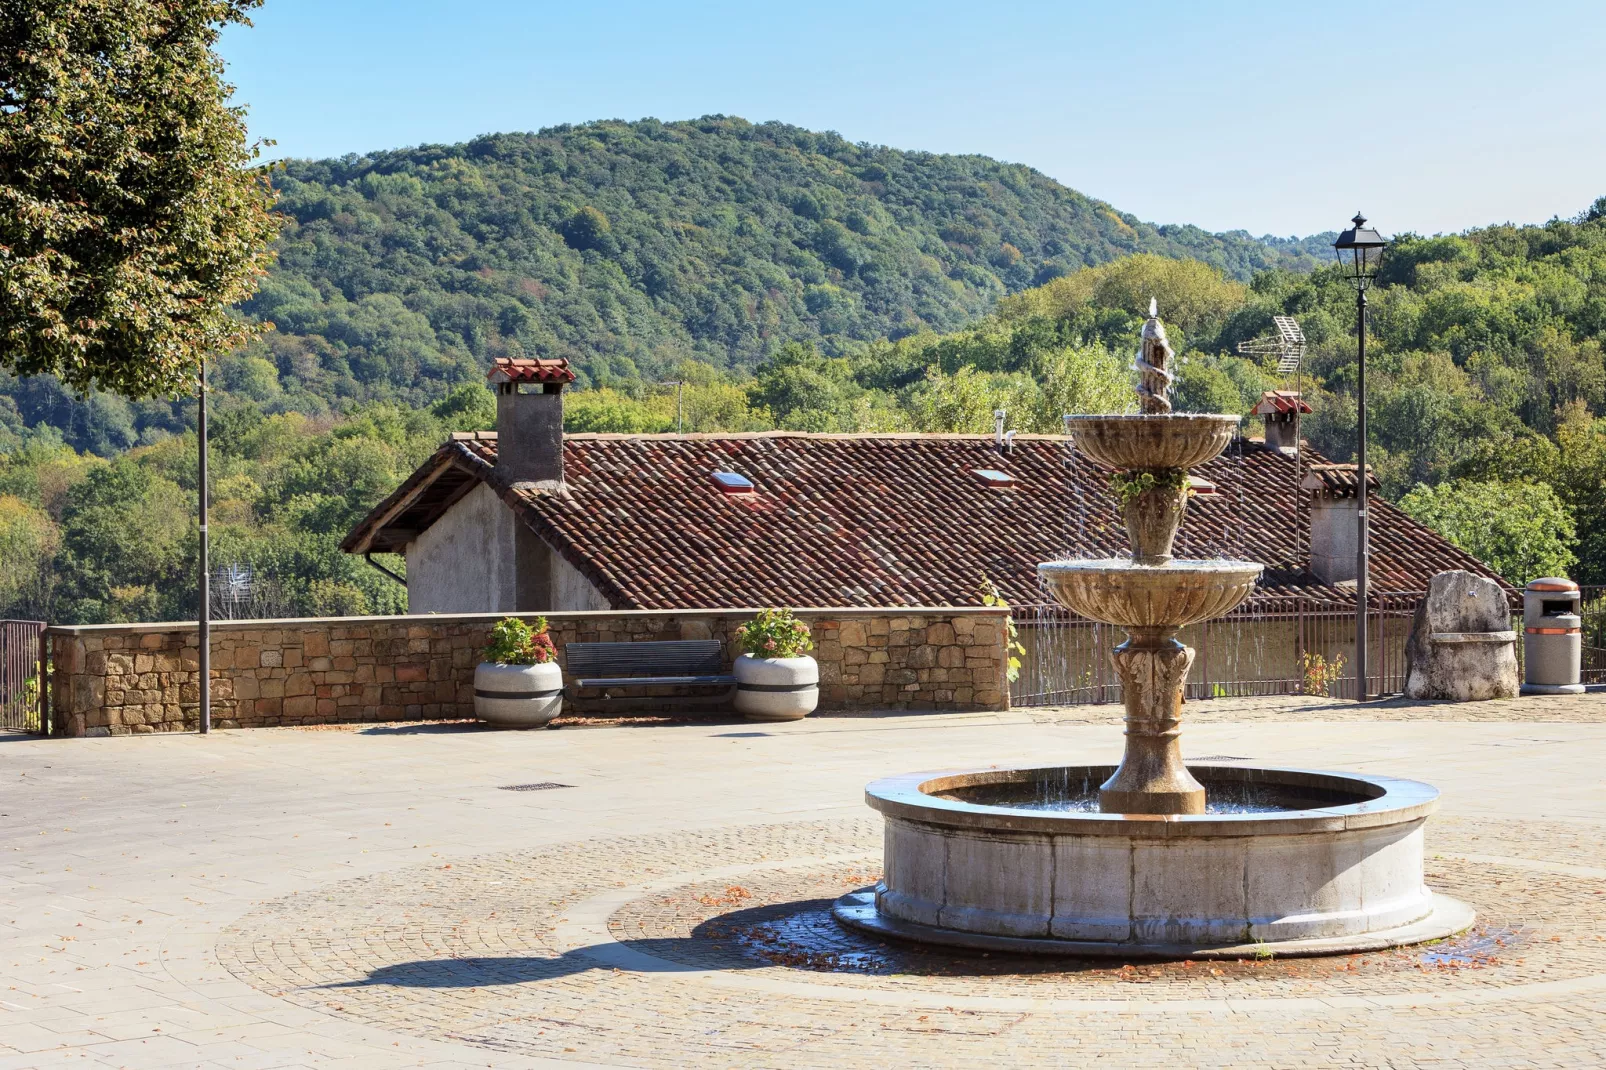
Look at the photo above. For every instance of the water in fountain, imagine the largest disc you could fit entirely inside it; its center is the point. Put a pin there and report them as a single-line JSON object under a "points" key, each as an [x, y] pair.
{"points": [[1060, 795]]}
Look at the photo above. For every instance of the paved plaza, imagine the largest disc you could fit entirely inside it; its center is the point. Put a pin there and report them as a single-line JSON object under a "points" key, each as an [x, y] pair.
{"points": [[657, 895]]}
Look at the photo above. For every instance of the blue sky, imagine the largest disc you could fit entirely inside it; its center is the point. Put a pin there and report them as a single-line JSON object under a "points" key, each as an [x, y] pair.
{"points": [[1272, 117]]}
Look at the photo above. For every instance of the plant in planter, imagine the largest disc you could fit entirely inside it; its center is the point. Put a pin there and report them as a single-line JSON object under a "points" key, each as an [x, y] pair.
{"points": [[775, 679], [519, 684], [1153, 501]]}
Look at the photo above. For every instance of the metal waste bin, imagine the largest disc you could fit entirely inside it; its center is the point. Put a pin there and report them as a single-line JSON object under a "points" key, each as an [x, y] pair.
{"points": [[1552, 640]]}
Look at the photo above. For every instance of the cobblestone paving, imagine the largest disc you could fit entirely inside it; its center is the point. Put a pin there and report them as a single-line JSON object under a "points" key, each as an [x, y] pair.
{"points": [[716, 949], [1530, 709]]}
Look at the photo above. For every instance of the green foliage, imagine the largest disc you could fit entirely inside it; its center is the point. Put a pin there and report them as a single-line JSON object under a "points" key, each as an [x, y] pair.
{"points": [[1128, 485], [774, 633], [1521, 530], [513, 642], [129, 223], [991, 596], [28, 540], [631, 247]]}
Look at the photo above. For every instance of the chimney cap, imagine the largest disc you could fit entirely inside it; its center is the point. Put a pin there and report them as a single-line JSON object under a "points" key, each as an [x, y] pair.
{"points": [[530, 370], [1336, 480], [1279, 402]]}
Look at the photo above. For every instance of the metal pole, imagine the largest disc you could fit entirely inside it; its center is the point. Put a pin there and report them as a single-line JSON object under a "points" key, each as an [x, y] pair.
{"points": [[204, 646], [1361, 549], [680, 410]]}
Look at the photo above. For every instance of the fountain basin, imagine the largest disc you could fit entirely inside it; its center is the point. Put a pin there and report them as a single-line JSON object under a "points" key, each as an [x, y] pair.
{"points": [[1178, 593], [1153, 440], [1336, 867]]}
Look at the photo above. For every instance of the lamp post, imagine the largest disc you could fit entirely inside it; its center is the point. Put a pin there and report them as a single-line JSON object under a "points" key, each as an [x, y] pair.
{"points": [[1360, 252], [204, 579]]}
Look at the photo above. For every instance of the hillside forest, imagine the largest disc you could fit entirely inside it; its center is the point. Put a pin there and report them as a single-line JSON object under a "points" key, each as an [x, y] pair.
{"points": [[648, 252]]}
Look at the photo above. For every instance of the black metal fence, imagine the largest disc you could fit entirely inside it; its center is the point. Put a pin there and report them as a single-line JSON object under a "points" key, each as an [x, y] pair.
{"points": [[22, 692], [1594, 613], [1270, 645]]}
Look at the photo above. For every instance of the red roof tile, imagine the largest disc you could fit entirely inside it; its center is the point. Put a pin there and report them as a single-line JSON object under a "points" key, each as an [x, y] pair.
{"points": [[1336, 480], [1277, 402], [530, 370], [839, 520]]}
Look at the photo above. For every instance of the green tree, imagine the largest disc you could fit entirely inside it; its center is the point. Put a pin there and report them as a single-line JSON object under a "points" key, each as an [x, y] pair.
{"points": [[1521, 530], [28, 541], [124, 545], [588, 228], [129, 223], [804, 391]]}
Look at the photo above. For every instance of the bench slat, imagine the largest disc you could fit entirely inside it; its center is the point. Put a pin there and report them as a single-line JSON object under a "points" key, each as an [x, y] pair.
{"points": [[687, 657], [646, 681]]}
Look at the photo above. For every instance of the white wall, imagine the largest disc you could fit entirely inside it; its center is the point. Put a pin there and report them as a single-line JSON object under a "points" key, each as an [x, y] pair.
{"points": [[465, 562], [571, 591]]}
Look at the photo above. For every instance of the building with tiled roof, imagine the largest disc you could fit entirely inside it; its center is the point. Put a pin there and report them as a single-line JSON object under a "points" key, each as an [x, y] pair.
{"points": [[600, 521]]}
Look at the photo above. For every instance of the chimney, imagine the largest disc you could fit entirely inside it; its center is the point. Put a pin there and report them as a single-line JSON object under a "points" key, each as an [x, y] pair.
{"points": [[529, 418], [1334, 507], [1282, 410]]}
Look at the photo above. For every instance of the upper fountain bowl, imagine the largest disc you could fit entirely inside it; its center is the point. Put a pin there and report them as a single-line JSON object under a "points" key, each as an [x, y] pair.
{"points": [[1119, 591], [1156, 440]]}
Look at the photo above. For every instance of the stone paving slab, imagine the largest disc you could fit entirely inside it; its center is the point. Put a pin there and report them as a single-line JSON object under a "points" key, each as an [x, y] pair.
{"points": [[131, 870]]}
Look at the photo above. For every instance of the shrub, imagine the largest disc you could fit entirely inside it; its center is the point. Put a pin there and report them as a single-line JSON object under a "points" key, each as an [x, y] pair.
{"points": [[991, 596], [513, 642], [1319, 674], [775, 633]]}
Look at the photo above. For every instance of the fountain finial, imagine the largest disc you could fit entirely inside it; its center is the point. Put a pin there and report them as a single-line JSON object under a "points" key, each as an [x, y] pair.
{"points": [[1154, 353]]}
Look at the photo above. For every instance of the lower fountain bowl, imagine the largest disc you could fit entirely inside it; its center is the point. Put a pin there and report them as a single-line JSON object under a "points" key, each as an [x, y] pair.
{"points": [[1329, 863], [1178, 593]]}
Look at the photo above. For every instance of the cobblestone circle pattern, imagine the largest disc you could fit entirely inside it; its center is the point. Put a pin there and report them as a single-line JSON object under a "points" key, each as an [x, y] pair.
{"points": [[751, 971]]}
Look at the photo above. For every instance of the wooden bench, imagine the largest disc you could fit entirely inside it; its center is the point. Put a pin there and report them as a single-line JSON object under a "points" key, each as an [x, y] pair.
{"points": [[683, 662]]}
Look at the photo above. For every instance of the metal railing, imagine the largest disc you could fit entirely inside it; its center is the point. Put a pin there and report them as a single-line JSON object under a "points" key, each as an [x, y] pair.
{"points": [[1270, 645], [1594, 654], [22, 692]]}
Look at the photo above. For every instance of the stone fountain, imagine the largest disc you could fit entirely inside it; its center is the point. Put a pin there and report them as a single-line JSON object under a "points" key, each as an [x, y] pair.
{"points": [[1153, 858]]}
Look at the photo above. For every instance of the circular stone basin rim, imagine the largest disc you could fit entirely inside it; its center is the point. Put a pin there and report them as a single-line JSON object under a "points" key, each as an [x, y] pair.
{"points": [[1386, 801]]}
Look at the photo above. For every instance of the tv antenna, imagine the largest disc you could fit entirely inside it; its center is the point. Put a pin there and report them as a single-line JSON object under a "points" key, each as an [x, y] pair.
{"points": [[1287, 345]]}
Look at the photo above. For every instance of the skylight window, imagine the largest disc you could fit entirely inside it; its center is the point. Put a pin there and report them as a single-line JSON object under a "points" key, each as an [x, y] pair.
{"points": [[994, 478], [731, 483]]}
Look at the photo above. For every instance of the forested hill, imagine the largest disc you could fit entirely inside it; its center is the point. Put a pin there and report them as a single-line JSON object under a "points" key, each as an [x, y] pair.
{"points": [[628, 247]]}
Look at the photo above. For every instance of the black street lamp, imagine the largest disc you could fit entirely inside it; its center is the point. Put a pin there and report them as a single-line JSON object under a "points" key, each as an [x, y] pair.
{"points": [[1360, 252]]}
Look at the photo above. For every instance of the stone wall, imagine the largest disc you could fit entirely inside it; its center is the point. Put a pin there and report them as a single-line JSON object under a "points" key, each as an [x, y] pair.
{"points": [[117, 679]]}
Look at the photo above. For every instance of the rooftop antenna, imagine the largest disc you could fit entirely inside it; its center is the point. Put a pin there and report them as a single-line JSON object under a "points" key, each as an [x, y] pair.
{"points": [[1287, 345]]}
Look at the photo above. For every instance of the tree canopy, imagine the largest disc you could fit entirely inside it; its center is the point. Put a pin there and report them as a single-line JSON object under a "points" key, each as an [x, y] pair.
{"points": [[129, 224]]}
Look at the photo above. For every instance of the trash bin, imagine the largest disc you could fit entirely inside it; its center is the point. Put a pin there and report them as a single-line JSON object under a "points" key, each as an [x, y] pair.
{"points": [[1552, 640]]}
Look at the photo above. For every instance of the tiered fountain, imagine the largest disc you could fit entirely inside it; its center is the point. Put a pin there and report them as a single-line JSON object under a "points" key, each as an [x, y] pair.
{"points": [[1152, 858]]}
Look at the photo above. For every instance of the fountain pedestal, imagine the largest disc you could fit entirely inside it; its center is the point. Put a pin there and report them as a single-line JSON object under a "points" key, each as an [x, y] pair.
{"points": [[1153, 667]]}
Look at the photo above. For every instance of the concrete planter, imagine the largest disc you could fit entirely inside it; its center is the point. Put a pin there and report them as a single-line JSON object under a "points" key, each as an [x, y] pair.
{"points": [[518, 696], [776, 689]]}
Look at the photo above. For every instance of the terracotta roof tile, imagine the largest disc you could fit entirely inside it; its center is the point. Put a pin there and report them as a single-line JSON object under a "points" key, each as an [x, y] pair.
{"points": [[1337, 480], [902, 519], [1276, 402], [530, 370]]}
